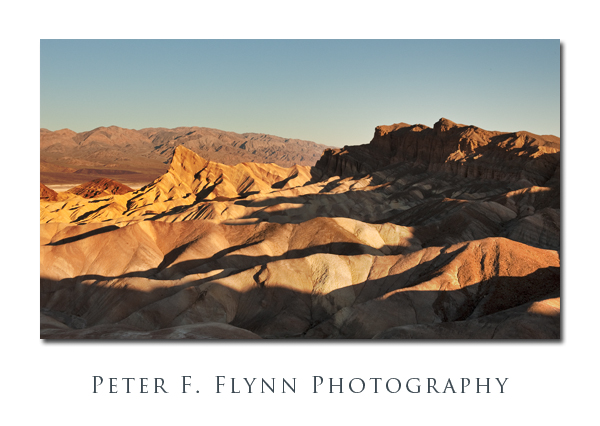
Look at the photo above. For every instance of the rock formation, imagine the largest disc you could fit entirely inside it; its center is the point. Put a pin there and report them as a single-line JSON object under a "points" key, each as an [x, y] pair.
{"points": [[47, 193], [450, 232], [100, 187], [466, 151]]}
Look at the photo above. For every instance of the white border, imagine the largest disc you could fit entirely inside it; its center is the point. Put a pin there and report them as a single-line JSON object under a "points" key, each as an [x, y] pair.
{"points": [[50, 383]]}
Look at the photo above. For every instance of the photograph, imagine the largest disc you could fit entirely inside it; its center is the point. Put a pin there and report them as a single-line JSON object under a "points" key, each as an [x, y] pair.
{"points": [[307, 189]]}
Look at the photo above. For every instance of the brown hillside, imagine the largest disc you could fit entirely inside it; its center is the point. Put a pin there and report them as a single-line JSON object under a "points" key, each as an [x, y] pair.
{"points": [[99, 188], [140, 156], [47, 193]]}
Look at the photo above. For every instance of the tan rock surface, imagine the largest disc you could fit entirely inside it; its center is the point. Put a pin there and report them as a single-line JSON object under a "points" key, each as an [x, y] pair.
{"points": [[321, 278]]}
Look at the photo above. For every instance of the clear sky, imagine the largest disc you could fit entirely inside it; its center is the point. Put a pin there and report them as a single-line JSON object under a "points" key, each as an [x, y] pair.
{"points": [[332, 92]]}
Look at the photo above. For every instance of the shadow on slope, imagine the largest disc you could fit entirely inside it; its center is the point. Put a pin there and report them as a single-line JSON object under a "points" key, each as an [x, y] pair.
{"points": [[249, 298]]}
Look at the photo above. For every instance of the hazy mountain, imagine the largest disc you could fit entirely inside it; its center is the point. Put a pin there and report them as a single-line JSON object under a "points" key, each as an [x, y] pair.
{"points": [[139, 156]]}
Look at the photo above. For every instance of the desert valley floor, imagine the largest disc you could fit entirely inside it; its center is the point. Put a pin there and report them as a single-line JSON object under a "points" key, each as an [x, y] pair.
{"points": [[450, 232]]}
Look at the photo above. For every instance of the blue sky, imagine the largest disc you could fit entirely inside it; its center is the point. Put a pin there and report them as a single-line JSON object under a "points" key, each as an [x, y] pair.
{"points": [[329, 91]]}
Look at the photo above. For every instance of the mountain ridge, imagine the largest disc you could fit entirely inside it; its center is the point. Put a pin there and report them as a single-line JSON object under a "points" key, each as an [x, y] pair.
{"points": [[144, 154], [449, 147]]}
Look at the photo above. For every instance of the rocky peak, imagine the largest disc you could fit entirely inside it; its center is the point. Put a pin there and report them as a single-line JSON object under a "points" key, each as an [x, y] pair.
{"points": [[443, 125], [381, 131], [185, 164]]}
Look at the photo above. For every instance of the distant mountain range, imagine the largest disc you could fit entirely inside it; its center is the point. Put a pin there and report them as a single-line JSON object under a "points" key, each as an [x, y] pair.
{"points": [[140, 156]]}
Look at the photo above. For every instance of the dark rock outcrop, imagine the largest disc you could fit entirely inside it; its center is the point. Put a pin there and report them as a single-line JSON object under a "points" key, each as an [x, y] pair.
{"points": [[466, 151]]}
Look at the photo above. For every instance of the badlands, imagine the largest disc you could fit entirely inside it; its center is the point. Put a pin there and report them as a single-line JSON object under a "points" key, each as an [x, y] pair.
{"points": [[450, 232]]}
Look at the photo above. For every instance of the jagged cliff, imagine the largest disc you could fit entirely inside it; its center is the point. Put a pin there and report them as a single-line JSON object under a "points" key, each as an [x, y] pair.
{"points": [[465, 151]]}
